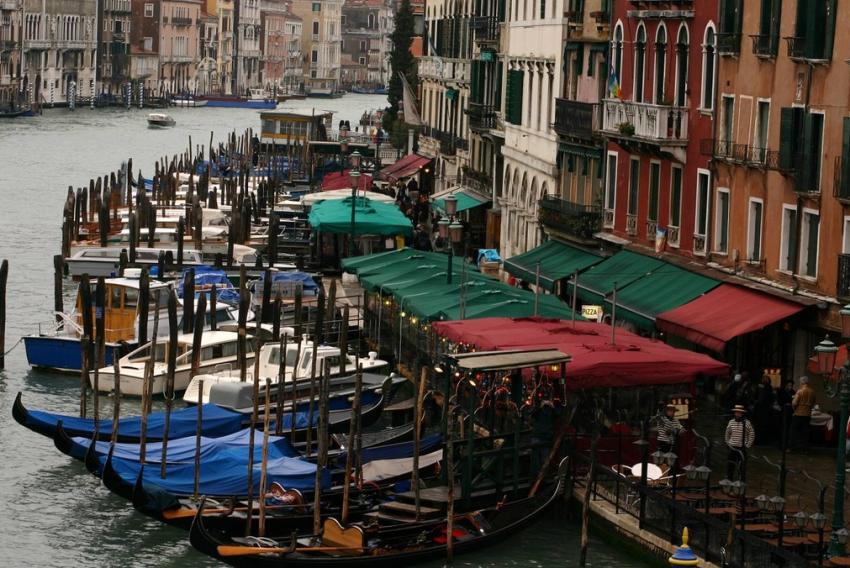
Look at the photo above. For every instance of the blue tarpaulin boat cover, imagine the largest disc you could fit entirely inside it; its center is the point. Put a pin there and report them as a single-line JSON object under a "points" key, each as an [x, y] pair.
{"points": [[308, 284], [205, 277]]}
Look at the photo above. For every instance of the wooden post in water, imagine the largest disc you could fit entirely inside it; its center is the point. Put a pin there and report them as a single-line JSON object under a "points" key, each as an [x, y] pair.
{"points": [[293, 411], [171, 362], [116, 393], [100, 335], [242, 333], [417, 437], [133, 221], [188, 300], [144, 305], [58, 272], [85, 347], [147, 386], [267, 292], [254, 415], [281, 383], [181, 231], [343, 341], [322, 433], [274, 229], [585, 508], [213, 306], [265, 459], [198, 430], [310, 413], [85, 343], [350, 449], [197, 336], [299, 313], [4, 277], [276, 314], [330, 315]]}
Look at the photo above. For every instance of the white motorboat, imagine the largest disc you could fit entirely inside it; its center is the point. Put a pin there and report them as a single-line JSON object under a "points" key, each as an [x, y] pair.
{"points": [[190, 102], [299, 368], [103, 261], [218, 351], [160, 120]]}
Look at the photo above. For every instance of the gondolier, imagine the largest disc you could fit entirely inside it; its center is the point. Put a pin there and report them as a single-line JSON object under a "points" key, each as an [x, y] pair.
{"points": [[668, 428], [739, 437]]}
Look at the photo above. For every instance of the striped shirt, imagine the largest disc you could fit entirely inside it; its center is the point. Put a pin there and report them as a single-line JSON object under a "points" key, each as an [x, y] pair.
{"points": [[668, 428], [740, 434]]}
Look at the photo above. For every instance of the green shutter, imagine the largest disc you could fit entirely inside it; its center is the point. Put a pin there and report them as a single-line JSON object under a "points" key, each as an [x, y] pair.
{"points": [[789, 132], [815, 28], [513, 97], [473, 81], [829, 29], [775, 18], [807, 168], [580, 59], [844, 182]]}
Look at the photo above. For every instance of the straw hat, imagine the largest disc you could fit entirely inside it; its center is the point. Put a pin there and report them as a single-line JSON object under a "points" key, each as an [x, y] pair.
{"points": [[738, 408]]}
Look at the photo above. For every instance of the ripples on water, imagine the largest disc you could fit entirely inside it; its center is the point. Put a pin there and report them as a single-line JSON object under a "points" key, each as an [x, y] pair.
{"points": [[52, 512]]}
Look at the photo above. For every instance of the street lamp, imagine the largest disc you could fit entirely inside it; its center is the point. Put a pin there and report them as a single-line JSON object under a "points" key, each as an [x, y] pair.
{"points": [[354, 175], [837, 384]]}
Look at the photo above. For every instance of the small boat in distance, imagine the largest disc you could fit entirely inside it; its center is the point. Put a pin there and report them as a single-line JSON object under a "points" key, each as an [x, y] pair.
{"points": [[188, 101], [160, 120]]}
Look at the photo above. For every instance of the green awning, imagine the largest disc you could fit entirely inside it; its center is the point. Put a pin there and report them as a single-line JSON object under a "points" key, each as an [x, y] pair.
{"points": [[488, 54], [557, 260], [465, 200], [664, 289], [370, 218], [595, 283], [599, 47], [581, 151], [417, 282], [451, 94]]}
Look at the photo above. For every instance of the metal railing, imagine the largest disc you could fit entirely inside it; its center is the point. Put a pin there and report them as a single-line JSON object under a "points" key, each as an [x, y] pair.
{"points": [[481, 116], [796, 47], [486, 28], [843, 286], [765, 45], [572, 218], [728, 43], [576, 117], [656, 123]]}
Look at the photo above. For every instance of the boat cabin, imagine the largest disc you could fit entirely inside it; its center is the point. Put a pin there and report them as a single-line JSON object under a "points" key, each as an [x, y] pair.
{"points": [[121, 307], [214, 345], [294, 126]]}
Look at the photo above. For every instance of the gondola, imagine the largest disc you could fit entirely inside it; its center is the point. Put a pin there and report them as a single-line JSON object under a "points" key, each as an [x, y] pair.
{"points": [[217, 421], [367, 545]]}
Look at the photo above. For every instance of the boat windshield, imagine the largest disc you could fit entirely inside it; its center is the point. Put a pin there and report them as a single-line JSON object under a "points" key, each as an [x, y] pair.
{"points": [[291, 353], [210, 352], [142, 353]]}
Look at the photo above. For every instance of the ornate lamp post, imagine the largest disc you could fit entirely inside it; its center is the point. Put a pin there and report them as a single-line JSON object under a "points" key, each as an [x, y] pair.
{"points": [[451, 231], [837, 384], [354, 174], [702, 472]]}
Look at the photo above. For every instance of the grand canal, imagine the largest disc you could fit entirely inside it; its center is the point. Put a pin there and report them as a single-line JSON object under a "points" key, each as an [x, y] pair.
{"points": [[52, 512]]}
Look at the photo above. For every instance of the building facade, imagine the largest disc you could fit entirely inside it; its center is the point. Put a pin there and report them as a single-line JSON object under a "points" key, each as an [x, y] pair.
{"points": [[10, 52], [59, 50], [250, 35], [144, 45], [179, 45], [366, 29], [321, 41], [113, 46], [206, 76]]}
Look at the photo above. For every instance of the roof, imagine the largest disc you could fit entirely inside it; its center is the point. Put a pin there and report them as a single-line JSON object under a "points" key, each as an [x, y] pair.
{"points": [[725, 313], [621, 270], [465, 199], [311, 199], [342, 180], [557, 260], [209, 337], [370, 218], [507, 360], [405, 167], [596, 362]]}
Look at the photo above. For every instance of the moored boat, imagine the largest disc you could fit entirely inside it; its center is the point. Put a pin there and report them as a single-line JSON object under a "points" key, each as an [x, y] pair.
{"points": [[105, 261], [188, 102]]}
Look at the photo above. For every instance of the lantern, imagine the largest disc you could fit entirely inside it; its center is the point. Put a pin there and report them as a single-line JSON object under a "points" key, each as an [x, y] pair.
{"points": [[762, 502], [801, 519], [825, 351], [456, 232], [818, 520], [776, 503], [845, 320], [450, 202], [703, 472], [354, 159], [657, 457], [841, 535], [443, 227], [690, 471]]}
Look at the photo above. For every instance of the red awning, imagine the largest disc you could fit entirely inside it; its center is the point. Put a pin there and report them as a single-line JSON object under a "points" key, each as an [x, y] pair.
{"points": [[404, 167], [723, 314], [632, 361], [342, 180]]}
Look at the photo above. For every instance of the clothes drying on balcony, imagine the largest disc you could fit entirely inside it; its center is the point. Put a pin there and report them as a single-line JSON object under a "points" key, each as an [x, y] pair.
{"points": [[557, 260]]}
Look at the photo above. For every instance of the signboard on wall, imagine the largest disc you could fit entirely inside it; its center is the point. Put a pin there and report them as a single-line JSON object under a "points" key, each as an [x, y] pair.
{"points": [[591, 312]]}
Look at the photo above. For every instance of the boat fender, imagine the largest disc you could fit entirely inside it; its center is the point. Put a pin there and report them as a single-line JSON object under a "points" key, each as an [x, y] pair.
{"points": [[373, 355]]}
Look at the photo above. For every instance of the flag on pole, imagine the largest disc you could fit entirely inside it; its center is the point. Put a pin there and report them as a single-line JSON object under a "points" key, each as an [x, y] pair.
{"points": [[409, 106], [613, 84]]}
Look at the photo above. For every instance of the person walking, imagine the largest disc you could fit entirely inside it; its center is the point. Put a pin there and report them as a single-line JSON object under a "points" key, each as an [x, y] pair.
{"points": [[740, 436], [668, 428], [802, 404]]}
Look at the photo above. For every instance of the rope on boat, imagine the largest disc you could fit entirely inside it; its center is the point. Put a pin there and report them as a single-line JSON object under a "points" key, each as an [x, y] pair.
{"points": [[18, 342]]}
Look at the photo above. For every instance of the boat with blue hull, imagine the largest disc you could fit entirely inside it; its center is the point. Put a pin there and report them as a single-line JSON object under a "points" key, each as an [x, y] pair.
{"points": [[257, 100], [63, 353]]}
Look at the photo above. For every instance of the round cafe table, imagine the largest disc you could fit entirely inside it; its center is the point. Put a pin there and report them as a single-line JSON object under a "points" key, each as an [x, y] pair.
{"points": [[653, 472]]}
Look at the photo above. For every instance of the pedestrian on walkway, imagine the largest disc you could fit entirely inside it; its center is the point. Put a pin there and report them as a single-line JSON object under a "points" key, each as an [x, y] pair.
{"points": [[668, 428], [765, 399], [803, 402], [739, 438]]}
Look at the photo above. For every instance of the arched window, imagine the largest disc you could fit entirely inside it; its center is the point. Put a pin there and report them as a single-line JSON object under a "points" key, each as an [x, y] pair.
{"points": [[682, 66], [660, 63], [708, 63], [640, 64], [617, 55]]}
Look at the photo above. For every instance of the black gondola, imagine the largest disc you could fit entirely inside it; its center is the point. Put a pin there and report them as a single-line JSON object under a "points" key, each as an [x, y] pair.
{"points": [[364, 545]]}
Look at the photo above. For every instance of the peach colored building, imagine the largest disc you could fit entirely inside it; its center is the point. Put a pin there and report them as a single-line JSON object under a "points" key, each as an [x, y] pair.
{"points": [[179, 44]]}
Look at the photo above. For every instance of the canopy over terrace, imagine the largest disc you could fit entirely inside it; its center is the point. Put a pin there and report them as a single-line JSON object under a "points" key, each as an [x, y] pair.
{"points": [[417, 280], [342, 180], [556, 260], [632, 361], [370, 218], [311, 199]]}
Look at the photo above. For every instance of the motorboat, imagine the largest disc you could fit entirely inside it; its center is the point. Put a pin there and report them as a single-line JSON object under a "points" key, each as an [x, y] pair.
{"points": [[218, 350], [188, 102], [298, 365], [160, 120], [104, 261]]}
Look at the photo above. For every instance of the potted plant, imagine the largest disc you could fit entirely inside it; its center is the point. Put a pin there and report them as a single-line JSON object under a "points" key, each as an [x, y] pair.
{"points": [[627, 128]]}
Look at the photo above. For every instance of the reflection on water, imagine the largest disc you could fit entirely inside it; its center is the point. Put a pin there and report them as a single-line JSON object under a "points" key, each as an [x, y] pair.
{"points": [[54, 513]]}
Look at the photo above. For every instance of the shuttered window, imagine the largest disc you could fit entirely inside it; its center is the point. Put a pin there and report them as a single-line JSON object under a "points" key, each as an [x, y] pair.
{"points": [[729, 34], [808, 178], [474, 80], [790, 125], [513, 97], [815, 29], [844, 180]]}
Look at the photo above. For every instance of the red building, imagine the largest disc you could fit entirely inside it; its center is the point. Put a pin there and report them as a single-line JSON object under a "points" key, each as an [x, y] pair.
{"points": [[658, 110]]}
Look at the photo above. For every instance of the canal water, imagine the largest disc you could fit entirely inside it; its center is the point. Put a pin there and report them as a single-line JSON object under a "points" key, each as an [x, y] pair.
{"points": [[52, 512]]}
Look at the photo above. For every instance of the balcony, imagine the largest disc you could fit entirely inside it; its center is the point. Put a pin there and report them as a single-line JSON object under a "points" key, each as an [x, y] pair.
{"points": [[444, 68], [574, 219], [486, 29], [796, 47], [842, 290], [181, 21], [662, 125], [631, 225], [575, 118], [765, 45], [481, 117], [728, 43], [9, 5]]}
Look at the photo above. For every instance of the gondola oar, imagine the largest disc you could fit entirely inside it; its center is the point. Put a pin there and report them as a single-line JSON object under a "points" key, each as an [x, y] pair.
{"points": [[265, 459], [171, 362]]}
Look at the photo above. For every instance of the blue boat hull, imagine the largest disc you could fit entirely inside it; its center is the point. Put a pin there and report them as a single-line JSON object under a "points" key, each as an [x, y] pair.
{"points": [[236, 103], [61, 353]]}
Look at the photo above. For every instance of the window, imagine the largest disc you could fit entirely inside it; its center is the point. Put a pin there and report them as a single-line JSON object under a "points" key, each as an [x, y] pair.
{"points": [[361, 60], [675, 196], [660, 63], [634, 182], [371, 20], [682, 66], [790, 126], [846, 242], [317, 6], [513, 96], [617, 55], [788, 242], [654, 187], [767, 42], [729, 37], [809, 178], [814, 30], [148, 44], [611, 181], [362, 46], [721, 233], [640, 61], [727, 127], [842, 188], [708, 62], [703, 192], [315, 28], [314, 56], [809, 243], [148, 10], [762, 124], [754, 230]]}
